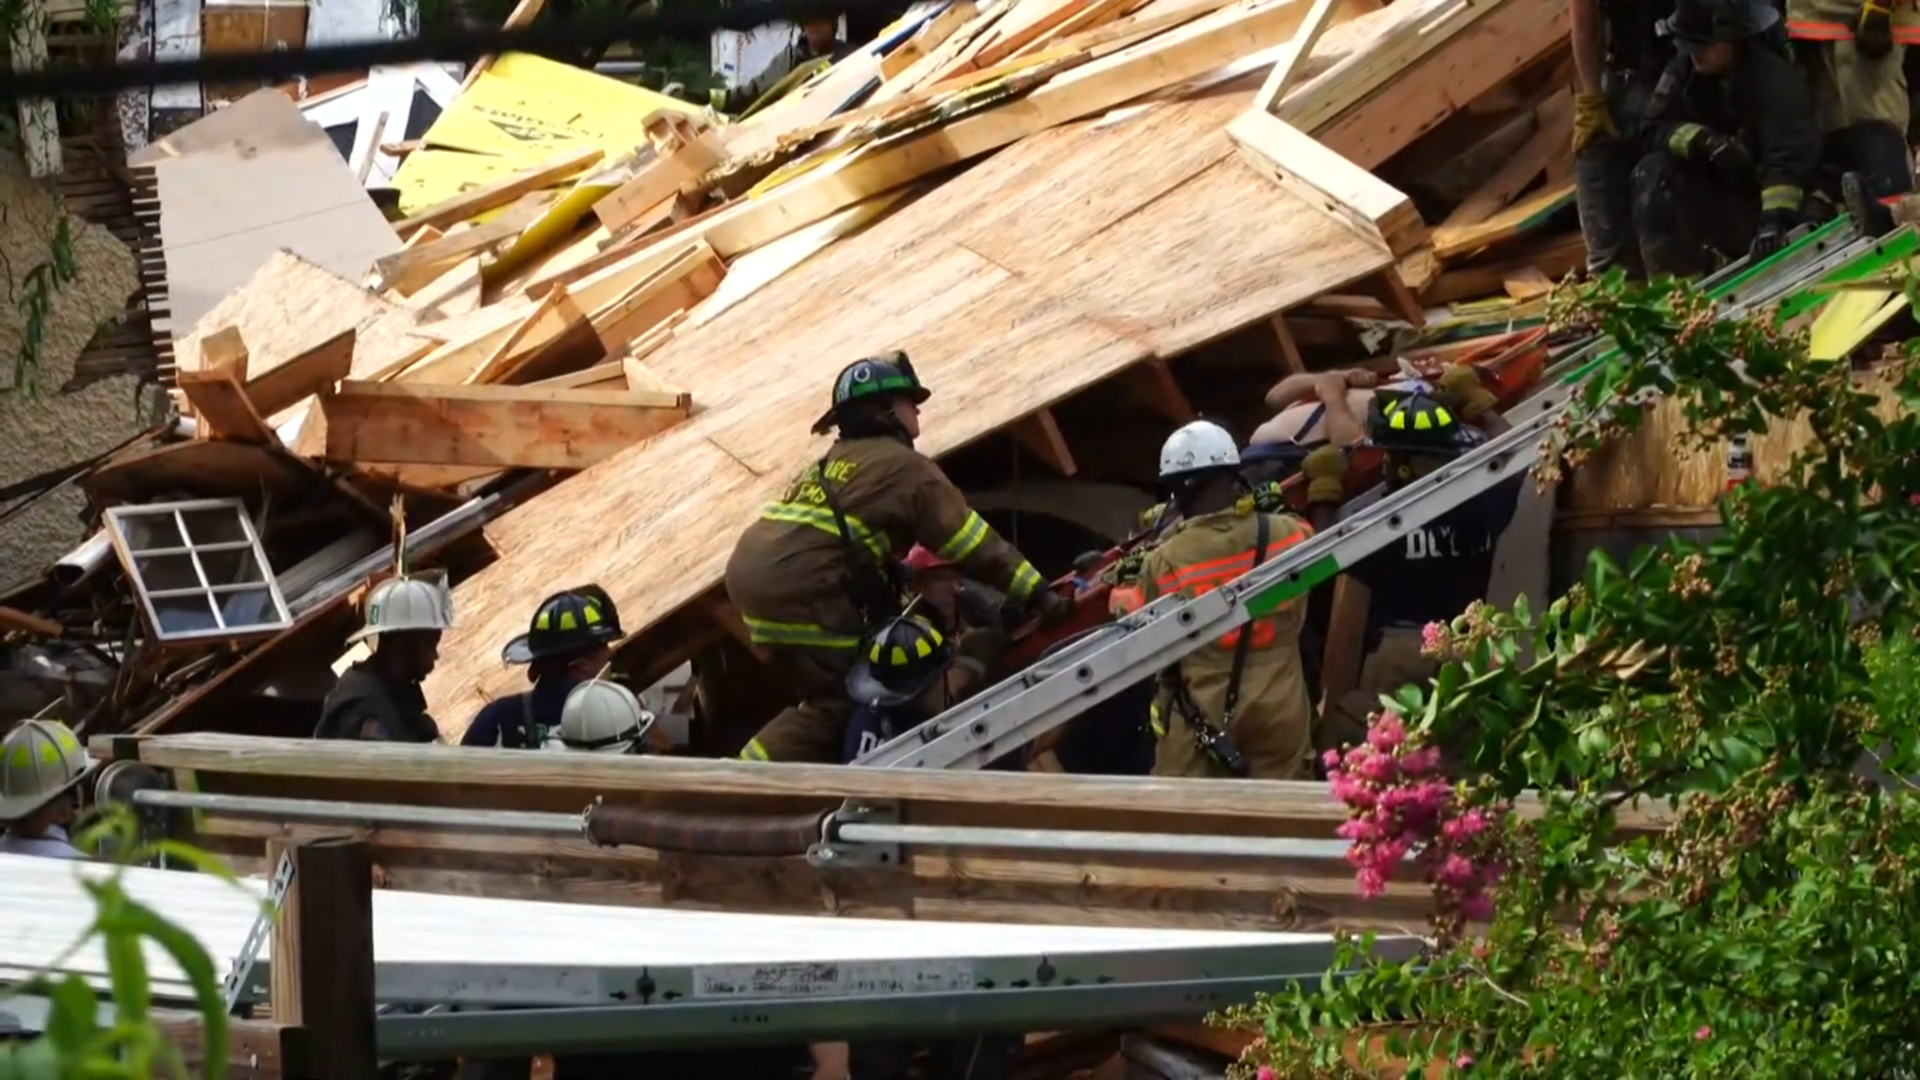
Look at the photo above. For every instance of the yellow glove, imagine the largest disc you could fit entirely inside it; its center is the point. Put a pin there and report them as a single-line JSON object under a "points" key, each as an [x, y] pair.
{"points": [[1326, 472], [1460, 390], [1873, 31], [1591, 120]]}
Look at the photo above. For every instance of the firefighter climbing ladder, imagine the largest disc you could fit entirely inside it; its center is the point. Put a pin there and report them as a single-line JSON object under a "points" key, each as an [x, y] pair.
{"points": [[1121, 654]]}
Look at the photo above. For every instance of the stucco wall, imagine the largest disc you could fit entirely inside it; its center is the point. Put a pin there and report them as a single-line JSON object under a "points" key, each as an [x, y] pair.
{"points": [[53, 428]]}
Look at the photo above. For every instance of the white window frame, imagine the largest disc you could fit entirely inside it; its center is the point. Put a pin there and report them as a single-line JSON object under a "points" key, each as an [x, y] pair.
{"points": [[117, 520]]}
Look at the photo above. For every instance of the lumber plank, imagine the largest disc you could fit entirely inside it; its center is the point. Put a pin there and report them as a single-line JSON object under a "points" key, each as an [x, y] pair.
{"points": [[1294, 55], [657, 182], [1375, 210], [1092, 88], [677, 287], [223, 408], [507, 189], [412, 268], [225, 350], [932, 34], [286, 385], [499, 426], [1040, 435], [610, 371], [1152, 384], [1525, 166], [528, 332], [642, 379], [456, 291], [1507, 224]]}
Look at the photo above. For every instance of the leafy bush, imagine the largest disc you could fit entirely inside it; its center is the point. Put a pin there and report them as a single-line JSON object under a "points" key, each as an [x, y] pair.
{"points": [[1733, 688], [76, 1046]]}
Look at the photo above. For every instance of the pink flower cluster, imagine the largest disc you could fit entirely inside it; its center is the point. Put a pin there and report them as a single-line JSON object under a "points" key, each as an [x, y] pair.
{"points": [[1399, 805]]}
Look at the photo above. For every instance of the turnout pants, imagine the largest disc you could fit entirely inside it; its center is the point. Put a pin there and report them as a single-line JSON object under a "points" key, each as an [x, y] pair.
{"points": [[1392, 664], [814, 730], [1603, 181], [1689, 221]]}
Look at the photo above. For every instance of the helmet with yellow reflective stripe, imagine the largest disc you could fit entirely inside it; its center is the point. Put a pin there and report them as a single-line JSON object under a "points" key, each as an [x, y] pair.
{"points": [[574, 621], [874, 379], [1417, 423], [900, 662], [39, 761]]}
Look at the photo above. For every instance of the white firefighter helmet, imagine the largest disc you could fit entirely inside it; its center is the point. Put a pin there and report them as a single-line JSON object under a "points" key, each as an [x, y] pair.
{"points": [[39, 761], [603, 717], [399, 605], [1198, 446]]}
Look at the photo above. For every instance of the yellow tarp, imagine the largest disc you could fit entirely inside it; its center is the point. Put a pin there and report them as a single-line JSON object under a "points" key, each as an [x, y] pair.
{"points": [[524, 110]]}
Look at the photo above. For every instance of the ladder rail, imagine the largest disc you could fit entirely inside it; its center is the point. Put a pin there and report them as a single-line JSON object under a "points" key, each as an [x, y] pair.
{"points": [[1108, 660]]}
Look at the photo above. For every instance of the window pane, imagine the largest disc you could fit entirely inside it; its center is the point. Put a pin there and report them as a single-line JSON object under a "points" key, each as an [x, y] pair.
{"points": [[163, 573], [184, 614], [220, 525], [250, 608], [236, 567], [144, 532]]}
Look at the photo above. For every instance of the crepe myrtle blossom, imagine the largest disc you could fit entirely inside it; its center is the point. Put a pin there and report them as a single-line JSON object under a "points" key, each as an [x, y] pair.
{"points": [[1401, 809]]}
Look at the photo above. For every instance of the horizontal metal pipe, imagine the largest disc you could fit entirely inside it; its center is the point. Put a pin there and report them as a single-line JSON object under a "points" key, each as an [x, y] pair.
{"points": [[1119, 843], [433, 817]]}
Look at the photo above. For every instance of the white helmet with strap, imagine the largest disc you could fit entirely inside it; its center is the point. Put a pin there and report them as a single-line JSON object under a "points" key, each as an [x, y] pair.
{"points": [[39, 761], [1197, 447], [401, 605], [602, 717]]}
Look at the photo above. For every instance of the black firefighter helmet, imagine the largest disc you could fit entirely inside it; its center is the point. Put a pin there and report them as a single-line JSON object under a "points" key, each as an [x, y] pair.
{"points": [[873, 378], [573, 621], [906, 657]]}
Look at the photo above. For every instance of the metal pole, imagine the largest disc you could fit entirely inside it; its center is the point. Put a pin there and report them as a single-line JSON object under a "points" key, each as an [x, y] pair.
{"points": [[377, 814], [1250, 847]]}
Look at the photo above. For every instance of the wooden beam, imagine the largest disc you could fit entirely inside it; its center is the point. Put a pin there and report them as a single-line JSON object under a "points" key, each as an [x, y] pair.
{"points": [[1394, 295], [671, 290], [1528, 213], [456, 291], [322, 973], [455, 209], [500, 351], [258, 1049], [225, 350], [285, 385], [409, 270], [641, 379], [1040, 435], [658, 181], [1152, 382], [519, 18], [13, 620], [1293, 56], [1292, 360], [1375, 210], [501, 426], [1523, 168], [223, 408]]}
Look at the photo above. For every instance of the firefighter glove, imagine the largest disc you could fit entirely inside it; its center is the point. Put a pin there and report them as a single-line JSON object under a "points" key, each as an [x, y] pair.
{"points": [[1053, 608], [1326, 472], [1772, 237], [1592, 120], [1716, 150], [1873, 30], [1460, 390]]}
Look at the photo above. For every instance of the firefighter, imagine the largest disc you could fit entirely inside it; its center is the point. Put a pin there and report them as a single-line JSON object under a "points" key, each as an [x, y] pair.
{"points": [[1732, 144], [602, 717], [379, 698], [1617, 59], [569, 642], [1238, 707], [1855, 56], [1439, 569], [816, 574], [41, 766]]}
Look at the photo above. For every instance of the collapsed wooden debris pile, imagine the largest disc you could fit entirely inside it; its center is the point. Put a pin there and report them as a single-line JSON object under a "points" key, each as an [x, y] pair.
{"points": [[670, 280]]}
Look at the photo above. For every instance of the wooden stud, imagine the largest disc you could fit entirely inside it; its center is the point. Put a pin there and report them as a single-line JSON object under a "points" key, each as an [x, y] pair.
{"points": [[1292, 361], [1373, 209], [657, 182], [1040, 435], [413, 268], [498, 426], [225, 350], [1152, 382], [1393, 294], [285, 385], [322, 969], [13, 620], [224, 410], [672, 290], [1346, 640], [1293, 57], [458, 208]]}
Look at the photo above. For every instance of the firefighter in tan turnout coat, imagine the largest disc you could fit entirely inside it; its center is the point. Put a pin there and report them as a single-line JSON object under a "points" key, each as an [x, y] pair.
{"points": [[819, 570], [1237, 707]]}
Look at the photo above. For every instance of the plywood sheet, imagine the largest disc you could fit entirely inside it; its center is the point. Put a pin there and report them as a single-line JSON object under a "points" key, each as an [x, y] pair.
{"points": [[258, 179], [289, 306], [1033, 275]]}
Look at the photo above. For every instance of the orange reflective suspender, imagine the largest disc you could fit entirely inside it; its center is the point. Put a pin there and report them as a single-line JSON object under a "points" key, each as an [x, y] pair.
{"points": [[1204, 577]]}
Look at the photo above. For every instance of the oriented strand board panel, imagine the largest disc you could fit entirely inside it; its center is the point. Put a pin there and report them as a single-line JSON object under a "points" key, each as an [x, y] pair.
{"points": [[260, 179], [290, 306], [274, 26], [1031, 276]]}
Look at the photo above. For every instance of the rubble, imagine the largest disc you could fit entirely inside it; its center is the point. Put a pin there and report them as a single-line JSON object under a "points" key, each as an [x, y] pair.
{"points": [[1035, 198]]}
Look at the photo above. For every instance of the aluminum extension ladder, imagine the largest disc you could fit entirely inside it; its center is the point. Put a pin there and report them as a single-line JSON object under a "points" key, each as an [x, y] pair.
{"points": [[1110, 659]]}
